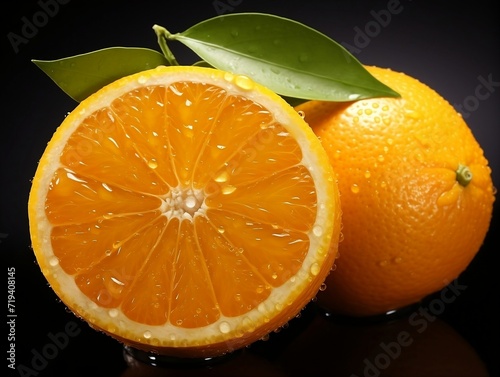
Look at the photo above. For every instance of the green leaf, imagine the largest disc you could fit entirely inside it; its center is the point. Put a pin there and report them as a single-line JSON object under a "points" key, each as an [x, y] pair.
{"points": [[81, 75], [288, 57]]}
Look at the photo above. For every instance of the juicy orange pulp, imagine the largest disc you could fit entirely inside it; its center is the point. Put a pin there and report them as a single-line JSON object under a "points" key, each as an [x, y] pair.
{"points": [[183, 206]]}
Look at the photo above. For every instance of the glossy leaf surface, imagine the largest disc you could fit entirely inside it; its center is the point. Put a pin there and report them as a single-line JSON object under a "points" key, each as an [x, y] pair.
{"points": [[290, 58], [81, 75]]}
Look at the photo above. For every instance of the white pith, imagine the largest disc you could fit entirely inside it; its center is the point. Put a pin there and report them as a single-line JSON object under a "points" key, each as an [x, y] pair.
{"points": [[175, 205]]}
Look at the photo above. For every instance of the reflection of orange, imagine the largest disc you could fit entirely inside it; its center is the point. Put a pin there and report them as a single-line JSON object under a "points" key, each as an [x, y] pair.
{"points": [[242, 363], [416, 193], [398, 347], [186, 210]]}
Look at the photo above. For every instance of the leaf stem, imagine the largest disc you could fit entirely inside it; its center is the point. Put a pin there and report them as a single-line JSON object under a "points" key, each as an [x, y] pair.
{"points": [[163, 35]]}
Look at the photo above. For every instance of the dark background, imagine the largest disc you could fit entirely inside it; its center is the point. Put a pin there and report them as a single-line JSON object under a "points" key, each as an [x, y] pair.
{"points": [[451, 46]]}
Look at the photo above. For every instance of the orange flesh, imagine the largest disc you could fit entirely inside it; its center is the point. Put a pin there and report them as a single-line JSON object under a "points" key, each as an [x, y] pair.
{"points": [[181, 204]]}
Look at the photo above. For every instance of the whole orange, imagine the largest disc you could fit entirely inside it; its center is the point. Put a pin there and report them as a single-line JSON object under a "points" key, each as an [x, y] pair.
{"points": [[416, 195]]}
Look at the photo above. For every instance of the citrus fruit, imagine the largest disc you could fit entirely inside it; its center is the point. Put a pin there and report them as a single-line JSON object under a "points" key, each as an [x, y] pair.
{"points": [[184, 210], [416, 192]]}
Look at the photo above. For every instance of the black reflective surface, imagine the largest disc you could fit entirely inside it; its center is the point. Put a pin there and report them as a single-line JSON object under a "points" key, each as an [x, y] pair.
{"points": [[453, 47]]}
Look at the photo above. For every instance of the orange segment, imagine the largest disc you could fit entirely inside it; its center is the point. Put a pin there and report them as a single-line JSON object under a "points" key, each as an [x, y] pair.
{"points": [[180, 211]]}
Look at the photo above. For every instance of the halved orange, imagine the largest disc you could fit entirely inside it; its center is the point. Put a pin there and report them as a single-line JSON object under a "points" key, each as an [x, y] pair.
{"points": [[185, 210]]}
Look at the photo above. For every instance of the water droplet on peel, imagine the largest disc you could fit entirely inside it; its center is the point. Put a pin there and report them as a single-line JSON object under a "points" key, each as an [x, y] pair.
{"points": [[142, 79], [315, 268], [244, 82], [228, 76], [301, 114], [147, 334], [398, 260], [367, 174], [383, 263], [221, 230], [54, 261], [381, 158], [354, 188], [113, 313], [317, 230], [322, 287], [224, 327]]}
